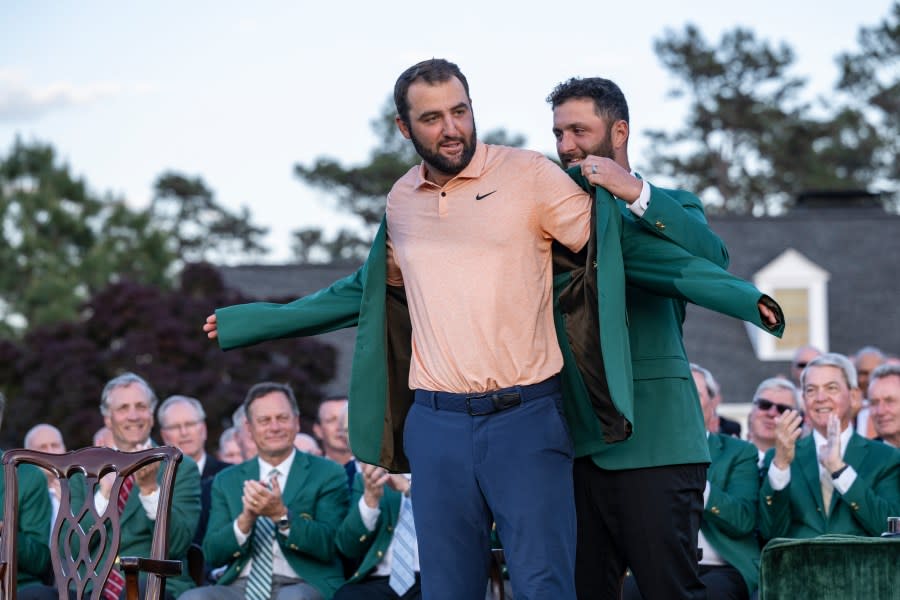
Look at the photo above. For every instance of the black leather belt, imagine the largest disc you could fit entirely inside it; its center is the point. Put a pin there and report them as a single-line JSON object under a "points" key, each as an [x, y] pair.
{"points": [[487, 403]]}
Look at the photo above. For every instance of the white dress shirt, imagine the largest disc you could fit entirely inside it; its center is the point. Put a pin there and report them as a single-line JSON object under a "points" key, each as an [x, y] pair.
{"points": [[280, 565]]}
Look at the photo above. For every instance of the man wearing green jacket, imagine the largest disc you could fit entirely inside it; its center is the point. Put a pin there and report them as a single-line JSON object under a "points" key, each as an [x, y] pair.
{"points": [[368, 536], [127, 404], [621, 485], [835, 480], [503, 208], [32, 552], [730, 564]]}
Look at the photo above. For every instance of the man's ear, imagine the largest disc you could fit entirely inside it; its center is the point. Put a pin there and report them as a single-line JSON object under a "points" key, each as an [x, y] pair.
{"points": [[619, 134], [402, 126]]}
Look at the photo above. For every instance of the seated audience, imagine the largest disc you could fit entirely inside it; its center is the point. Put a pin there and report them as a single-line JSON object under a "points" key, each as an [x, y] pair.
{"points": [[307, 443], [274, 517], [773, 397], [32, 530], [373, 533], [127, 404], [327, 428], [47, 438], [182, 424], [833, 481], [229, 450], [866, 360], [884, 403]]}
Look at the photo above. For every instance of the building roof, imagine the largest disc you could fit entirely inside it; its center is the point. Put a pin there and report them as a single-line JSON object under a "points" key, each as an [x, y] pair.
{"points": [[853, 239]]}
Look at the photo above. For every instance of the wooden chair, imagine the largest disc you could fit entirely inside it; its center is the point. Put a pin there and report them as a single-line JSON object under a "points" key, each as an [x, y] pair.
{"points": [[84, 544]]}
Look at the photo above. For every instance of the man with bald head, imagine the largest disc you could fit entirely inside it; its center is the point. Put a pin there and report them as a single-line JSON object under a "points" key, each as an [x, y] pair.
{"points": [[47, 438]]}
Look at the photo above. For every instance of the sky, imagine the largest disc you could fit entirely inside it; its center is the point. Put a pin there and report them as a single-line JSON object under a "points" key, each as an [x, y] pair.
{"points": [[239, 92]]}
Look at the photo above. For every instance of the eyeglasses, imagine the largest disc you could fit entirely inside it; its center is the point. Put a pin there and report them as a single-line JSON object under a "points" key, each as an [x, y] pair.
{"points": [[181, 426], [765, 405]]}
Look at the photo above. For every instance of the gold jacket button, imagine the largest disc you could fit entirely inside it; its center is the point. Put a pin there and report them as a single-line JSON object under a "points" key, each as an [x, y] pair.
{"points": [[379, 554], [362, 538], [660, 225]]}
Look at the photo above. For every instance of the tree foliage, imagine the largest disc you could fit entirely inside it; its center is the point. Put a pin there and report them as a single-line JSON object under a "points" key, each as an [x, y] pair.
{"points": [[201, 229], [362, 190], [750, 143], [870, 77], [57, 372], [60, 242]]}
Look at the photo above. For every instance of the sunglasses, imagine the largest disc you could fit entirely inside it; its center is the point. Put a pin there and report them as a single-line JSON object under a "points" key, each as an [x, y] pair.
{"points": [[800, 365], [765, 405]]}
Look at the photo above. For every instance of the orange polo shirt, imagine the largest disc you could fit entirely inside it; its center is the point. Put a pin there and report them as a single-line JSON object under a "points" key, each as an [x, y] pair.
{"points": [[475, 258]]}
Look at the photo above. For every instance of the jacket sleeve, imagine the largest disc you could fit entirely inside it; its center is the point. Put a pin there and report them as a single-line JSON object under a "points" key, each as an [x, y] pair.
{"points": [[334, 307], [678, 216], [774, 506], [185, 512], [314, 533], [219, 544], [353, 539], [732, 502], [34, 523], [873, 500], [666, 269]]}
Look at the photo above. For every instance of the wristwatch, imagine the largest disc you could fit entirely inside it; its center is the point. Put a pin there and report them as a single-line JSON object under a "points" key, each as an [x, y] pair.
{"points": [[836, 474], [283, 523]]}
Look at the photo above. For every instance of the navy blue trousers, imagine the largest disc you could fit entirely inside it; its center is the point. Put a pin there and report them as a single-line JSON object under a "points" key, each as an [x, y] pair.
{"points": [[512, 467]]}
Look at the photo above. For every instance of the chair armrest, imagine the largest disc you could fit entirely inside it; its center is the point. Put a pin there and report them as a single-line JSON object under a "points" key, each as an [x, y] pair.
{"points": [[163, 568]]}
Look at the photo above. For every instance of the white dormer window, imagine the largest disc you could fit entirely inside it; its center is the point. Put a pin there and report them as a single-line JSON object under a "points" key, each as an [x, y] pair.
{"points": [[801, 288]]}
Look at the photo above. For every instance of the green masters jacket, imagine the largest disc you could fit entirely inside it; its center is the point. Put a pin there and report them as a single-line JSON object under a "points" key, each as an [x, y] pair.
{"points": [[797, 510], [729, 519], [669, 422], [355, 541], [316, 497], [137, 528], [379, 393], [33, 533]]}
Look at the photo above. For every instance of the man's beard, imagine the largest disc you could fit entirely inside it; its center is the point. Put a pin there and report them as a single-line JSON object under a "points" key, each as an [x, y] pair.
{"points": [[443, 164], [603, 150]]}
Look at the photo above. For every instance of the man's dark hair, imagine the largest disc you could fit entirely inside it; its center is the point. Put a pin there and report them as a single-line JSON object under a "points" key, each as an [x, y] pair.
{"points": [[265, 388], [432, 71], [609, 101]]}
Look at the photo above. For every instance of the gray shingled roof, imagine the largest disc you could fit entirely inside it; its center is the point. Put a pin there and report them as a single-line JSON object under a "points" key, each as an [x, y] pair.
{"points": [[858, 245]]}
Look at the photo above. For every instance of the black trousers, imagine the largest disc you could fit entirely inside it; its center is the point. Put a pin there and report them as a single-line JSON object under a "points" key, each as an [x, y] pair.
{"points": [[376, 588], [645, 520], [723, 582]]}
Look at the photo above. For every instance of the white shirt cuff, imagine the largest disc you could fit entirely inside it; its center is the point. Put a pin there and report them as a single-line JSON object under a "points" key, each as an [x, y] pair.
{"points": [[706, 495], [843, 483], [779, 478], [150, 503], [369, 515], [639, 206], [239, 535]]}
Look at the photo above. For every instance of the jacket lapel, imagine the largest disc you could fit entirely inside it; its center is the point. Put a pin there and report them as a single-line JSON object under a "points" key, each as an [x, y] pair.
{"points": [[856, 452], [296, 478]]}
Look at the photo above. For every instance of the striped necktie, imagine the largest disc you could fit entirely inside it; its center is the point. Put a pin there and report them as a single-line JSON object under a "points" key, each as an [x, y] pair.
{"points": [[403, 574], [259, 583], [115, 582]]}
